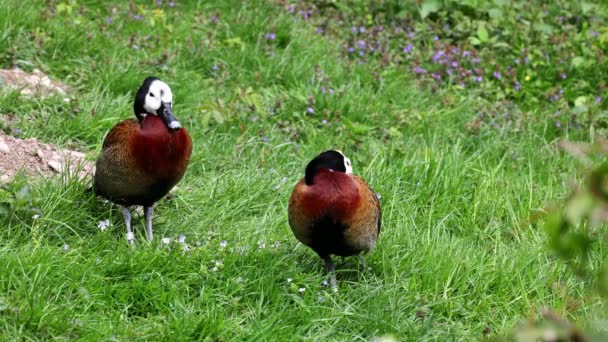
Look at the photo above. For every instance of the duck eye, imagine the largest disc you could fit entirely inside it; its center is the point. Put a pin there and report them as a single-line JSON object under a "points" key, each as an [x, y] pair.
{"points": [[151, 95]]}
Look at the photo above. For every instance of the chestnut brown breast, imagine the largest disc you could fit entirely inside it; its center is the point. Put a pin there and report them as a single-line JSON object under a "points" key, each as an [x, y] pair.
{"points": [[338, 214], [140, 163]]}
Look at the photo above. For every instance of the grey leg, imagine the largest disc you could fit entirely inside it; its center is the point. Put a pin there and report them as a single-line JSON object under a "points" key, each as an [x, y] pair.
{"points": [[126, 214], [148, 213], [330, 268]]}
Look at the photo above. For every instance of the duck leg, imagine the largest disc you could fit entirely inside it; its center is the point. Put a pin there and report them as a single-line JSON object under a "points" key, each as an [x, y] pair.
{"points": [[126, 214], [330, 268], [148, 213]]}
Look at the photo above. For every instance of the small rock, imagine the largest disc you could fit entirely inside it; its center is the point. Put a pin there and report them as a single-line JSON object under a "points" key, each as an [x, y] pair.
{"points": [[55, 165], [4, 147], [45, 81], [40, 154], [77, 154], [4, 178]]}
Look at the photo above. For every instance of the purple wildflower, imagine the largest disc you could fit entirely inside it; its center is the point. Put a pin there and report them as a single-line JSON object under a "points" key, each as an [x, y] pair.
{"points": [[594, 33], [215, 67], [437, 55], [361, 53], [351, 49], [353, 29], [558, 124], [454, 64], [527, 60], [408, 48], [319, 30], [136, 47], [324, 121], [516, 61], [172, 4], [517, 86], [410, 34], [270, 36], [497, 75], [331, 91], [323, 90], [291, 8], [419, 70], [138, 17], [478, 79], [159, 2], [598, 99], [361, 44], [466, 53], [563, 76], [214, 19], [475, 60], [310, 110], [108, 20], [362, 29], [436, 38]]}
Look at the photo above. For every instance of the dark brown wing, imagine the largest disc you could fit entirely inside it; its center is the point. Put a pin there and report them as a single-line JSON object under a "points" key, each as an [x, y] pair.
{"points": [[299, 222], [120, 133], [364, 224]]}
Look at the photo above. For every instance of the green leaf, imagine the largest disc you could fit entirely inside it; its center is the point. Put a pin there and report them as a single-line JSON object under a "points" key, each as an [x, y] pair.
{"points": [[495, 13], [587, 7], [544, 28], [482, 32], [474, 40], [236, 41], [577, 61], [218, 116], [580, 101], [428, 7]]}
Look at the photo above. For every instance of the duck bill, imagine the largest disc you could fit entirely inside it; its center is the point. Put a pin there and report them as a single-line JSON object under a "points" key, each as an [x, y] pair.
{"points": [[167, 116]]}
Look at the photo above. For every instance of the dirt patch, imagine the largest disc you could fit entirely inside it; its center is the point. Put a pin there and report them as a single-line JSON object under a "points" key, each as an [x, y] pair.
{"points": [[35, 83], [39, 159]]}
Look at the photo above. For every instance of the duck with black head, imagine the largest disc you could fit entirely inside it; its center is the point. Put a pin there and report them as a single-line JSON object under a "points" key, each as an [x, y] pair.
{"points": [[143, 158], [334, 212]]}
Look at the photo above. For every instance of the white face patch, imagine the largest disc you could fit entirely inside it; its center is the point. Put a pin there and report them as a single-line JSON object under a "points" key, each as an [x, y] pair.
{"points": [[347, 164], [158, 93]]}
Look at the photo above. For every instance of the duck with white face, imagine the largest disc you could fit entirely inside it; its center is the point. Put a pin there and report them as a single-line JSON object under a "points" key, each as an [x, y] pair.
{"points": [[154, 97], [333, 211], [142, 159]]}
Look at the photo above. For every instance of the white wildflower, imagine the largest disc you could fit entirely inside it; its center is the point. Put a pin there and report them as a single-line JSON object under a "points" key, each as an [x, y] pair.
{"points": [[104, 224]]}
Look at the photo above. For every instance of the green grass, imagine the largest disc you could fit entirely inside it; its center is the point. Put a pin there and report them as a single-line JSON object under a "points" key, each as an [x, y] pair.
{"points": [[459, 249]]}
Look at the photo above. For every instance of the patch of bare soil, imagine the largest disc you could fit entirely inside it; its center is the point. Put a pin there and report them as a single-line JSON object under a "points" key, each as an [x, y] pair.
{"points": [[36, 83], [39, 159]]}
